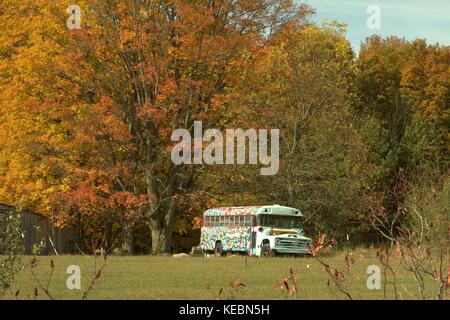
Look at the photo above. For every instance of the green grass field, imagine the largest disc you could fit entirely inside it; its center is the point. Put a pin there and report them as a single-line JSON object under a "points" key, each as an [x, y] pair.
{"points": [[146, 277]]}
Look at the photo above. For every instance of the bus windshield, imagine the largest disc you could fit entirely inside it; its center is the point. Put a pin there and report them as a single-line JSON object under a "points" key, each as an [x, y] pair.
{"points": [[275, 221]]}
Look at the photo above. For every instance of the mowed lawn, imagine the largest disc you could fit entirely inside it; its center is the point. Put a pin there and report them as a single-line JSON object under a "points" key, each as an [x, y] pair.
{"points": [[146, 277]]}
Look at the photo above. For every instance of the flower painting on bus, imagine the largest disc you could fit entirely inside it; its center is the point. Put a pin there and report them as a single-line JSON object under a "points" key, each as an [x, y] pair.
{"points": [[233, 239], [231, 226]]}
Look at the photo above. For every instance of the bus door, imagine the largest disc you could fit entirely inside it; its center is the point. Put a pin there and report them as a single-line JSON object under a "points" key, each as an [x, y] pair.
{"points": [[253, 236]]}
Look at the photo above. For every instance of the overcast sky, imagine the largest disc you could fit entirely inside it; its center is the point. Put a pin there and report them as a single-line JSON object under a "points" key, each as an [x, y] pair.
{"points": [[428, 19]]}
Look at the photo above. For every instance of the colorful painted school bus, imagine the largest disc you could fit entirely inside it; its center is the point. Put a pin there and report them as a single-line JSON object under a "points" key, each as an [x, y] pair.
{"points": [[258, 231]]}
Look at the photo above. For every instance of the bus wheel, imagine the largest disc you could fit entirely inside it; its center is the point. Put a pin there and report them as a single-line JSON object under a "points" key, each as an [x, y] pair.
{"points": [[218, 251], [266, 252]]}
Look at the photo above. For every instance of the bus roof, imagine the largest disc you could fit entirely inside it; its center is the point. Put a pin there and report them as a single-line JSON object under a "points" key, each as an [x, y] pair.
{"points": [[253, 210]]}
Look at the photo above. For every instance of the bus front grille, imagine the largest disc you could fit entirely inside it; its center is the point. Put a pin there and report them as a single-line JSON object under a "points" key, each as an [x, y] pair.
{"points": [[291, 243]]}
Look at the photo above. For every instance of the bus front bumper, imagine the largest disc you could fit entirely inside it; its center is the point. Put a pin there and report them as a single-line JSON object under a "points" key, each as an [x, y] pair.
{"points": [[284, 250]]}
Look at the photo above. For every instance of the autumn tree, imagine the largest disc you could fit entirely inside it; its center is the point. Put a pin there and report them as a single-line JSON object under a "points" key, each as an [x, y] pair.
{"points": [[403, 88], [29, 163]]}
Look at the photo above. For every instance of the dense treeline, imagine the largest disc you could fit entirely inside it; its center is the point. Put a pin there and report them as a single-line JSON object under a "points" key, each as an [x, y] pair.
{"points": [[87, 114]]}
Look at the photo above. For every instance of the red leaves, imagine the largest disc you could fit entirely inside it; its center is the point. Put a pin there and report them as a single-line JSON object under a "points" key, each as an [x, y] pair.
{"points": [[233, 291], [321, 244], [237, 284], [398, 252], [288, 285], [94, 196], [126, 202]]}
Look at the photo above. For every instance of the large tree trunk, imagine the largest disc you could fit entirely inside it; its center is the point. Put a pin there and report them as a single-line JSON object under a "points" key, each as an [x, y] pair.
{"points": [[161, 229], [155, 232], [160, 238], [128, 239]]}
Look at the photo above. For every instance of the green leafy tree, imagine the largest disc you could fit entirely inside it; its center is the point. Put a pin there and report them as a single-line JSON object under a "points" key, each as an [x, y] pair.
{"points": [[11, 248]]}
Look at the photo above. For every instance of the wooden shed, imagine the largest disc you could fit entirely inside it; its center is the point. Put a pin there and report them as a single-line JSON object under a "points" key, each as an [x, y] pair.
{"points": [[38, 229]]}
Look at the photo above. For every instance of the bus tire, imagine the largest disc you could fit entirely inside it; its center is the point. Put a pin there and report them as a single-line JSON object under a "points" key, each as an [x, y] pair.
{"points": [[266, 252], [218, 250]]}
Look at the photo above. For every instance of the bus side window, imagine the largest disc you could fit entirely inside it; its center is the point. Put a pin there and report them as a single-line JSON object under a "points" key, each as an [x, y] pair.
{"points": [[220, 223], [210, 220], [240, 221]]}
